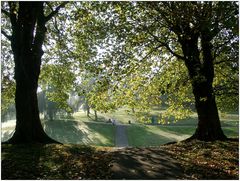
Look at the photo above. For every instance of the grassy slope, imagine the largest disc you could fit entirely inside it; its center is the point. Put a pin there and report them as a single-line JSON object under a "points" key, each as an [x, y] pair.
{"points": [[148, 135], [76, 132], [84, 130], [120, 115]]}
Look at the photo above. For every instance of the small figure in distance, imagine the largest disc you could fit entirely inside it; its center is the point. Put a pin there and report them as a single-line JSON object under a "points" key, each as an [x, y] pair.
{"points": [[129, 122], [113, 122]]}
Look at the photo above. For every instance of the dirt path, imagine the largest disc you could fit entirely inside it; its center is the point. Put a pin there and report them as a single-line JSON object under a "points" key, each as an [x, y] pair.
{"points": [[121, 139], [145, 164], [141, 163]]}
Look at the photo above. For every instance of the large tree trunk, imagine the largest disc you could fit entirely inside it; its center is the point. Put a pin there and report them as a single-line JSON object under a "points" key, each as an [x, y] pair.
{"points": [[209, 127], [27, 49], [201, 73], [28, 127]]}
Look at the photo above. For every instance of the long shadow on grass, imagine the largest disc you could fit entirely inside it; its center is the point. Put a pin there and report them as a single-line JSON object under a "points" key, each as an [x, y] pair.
{"points": [[100, 118], [67, 131], [105, 133], [145, 136]]}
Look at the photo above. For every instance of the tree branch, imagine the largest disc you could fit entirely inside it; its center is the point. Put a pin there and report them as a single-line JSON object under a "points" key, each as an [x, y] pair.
{"points": [[149, 53], [49, 5], [217, 50], [6, 35], [12, 15], [163, 44], [224, 61], [6, 12], [53, 13]]}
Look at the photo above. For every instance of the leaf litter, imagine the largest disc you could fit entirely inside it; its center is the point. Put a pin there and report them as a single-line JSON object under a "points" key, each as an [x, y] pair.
{"points": [[200, 160]]}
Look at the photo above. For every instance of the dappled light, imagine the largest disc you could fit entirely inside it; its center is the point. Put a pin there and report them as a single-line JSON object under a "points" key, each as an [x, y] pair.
{"points": [[85, 130], [119, 90], [142, 163], [75, 132]]}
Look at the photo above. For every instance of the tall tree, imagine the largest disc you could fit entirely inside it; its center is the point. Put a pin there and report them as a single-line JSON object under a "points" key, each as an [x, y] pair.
{"points": [[196, 25], [148, 33], [28, 32]]}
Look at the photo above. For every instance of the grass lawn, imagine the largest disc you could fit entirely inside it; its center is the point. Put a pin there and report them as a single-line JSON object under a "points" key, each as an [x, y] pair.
{"points": [[75, 132], [146, 135], [81, 129], [123, 115], [153, 135], [120, 115], [89, 133]]}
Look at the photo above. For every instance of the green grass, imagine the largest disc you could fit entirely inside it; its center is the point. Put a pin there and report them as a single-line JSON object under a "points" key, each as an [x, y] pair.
{"points": [[152, 135], [85, 130], [149, 135], [231, 132], [229, 116], [76, 132], [121, 115]]}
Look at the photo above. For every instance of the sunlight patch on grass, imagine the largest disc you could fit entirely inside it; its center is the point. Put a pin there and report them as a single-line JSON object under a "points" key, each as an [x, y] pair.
{"points": [[82, 127], [7, 134], [77, 132], [171, 135], [152, 135], [141, 135], [9, 123]]}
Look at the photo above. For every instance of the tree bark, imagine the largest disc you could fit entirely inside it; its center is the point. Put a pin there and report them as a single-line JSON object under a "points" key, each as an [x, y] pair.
{"points": [[87, 108], [209, 126], [133, 110], [201, 73], [27, 39], [95, 114], [88, 111]]}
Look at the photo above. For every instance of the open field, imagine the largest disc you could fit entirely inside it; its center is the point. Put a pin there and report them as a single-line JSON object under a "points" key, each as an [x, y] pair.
{"points": [[152, 135], [89, 133], [75, 132], [123, 115], [120, 115], [81, 129]]}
